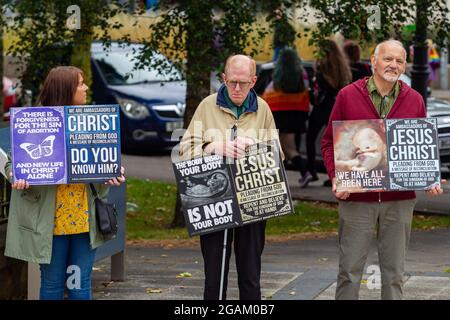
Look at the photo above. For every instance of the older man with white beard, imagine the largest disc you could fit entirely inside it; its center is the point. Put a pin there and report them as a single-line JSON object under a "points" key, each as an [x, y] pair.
{"points": [[388, 213]]}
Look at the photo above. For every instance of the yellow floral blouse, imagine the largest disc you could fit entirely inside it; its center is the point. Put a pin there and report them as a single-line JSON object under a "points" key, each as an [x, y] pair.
{"points": [[71, 216]]}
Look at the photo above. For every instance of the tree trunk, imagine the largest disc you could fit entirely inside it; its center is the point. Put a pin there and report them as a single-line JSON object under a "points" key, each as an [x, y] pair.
{"points": [[178, 219], [81, 57], [197, 79], [197, 90]]}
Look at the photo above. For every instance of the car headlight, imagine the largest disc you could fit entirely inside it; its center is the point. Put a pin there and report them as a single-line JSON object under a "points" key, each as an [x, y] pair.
{"points": [[133, 109]]}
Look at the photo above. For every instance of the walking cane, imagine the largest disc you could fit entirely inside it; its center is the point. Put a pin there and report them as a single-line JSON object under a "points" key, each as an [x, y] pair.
{"points": [[222, 272], [225, 234]]}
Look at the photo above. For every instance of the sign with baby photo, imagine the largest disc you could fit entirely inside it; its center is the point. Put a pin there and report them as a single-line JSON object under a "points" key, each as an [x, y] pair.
{"points": [[60, 145], [217, 194], [386, 155]]}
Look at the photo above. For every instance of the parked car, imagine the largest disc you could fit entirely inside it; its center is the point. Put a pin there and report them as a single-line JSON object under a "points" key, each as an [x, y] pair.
{"points": [[10, 96], [151, 104], [435, 108], [440, 109]]}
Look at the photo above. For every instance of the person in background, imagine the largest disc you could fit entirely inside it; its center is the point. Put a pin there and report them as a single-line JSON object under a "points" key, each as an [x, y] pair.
{"points": [[434, 61], [283, 34], [359, 69], [331, 75], [55, 225], [288, 98]]}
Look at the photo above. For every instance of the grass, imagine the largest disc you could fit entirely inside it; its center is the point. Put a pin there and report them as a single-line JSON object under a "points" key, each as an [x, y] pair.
{"points": [[156, 203]]}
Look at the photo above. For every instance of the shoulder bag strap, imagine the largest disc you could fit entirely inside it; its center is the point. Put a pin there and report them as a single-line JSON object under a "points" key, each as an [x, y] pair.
{"points": [[94, 192]]}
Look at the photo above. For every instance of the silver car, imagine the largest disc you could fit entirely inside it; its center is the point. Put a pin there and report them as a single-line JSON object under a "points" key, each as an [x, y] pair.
{"points": [[439, 109]]}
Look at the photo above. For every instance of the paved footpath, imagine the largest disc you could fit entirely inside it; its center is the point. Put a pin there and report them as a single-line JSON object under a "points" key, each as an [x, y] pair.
{"points": [[291, 270]]}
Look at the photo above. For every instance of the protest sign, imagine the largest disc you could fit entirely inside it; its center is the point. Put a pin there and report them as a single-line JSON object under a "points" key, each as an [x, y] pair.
{"points": [[38, 145], [59, 145], [386, 155], [217, 195]]}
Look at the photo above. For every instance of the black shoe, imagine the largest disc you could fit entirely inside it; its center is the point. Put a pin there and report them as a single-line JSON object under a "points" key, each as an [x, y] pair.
{"points": [[327, 183], [289, 165], [298, 163]]}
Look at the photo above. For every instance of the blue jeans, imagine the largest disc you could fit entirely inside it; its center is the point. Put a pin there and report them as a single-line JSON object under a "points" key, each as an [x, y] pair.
{"points": [[72, 262]]}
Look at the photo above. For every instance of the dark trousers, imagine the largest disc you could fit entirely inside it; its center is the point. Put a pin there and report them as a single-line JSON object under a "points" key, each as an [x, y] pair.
{"points": [[248, 247], [317, 120]]}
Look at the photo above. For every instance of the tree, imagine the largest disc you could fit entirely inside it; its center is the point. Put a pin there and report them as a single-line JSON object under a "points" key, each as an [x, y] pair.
{"points": [[372, 21], [45, 39], [198, 36]]}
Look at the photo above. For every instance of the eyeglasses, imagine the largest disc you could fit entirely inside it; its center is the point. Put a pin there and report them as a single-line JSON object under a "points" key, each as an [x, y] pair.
{"points": [[242, 84]]}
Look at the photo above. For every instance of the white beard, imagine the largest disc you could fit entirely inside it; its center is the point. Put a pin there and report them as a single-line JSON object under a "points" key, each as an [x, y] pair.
{"points": [[390, 78]]}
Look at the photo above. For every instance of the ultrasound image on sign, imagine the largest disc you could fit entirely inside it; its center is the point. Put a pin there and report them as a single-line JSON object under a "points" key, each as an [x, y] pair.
{"points": [[212, 185]]}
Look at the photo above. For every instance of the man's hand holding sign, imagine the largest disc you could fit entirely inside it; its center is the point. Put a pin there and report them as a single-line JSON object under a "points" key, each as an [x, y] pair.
{"points": [[233, 149]]}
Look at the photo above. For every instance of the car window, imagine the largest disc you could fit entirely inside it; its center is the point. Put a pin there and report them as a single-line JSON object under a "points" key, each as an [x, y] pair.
{"points": [[117, 68]]}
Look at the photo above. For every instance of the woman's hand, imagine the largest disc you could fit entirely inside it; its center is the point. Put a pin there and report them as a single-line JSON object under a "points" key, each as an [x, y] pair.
{"points": [[119, 180], [19, 184]]}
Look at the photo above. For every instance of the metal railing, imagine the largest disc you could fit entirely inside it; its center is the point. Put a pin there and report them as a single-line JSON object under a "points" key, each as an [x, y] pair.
{"points": [[5, 196]]}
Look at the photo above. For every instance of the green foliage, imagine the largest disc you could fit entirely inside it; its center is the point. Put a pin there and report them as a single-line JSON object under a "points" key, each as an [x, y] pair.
{"points": [[199, 35], [208, 31], [156, 204], [350, 17], [44, 41]]}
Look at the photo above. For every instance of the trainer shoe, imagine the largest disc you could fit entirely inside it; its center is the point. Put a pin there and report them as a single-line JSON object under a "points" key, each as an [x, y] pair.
{"points": [[307, 178]]}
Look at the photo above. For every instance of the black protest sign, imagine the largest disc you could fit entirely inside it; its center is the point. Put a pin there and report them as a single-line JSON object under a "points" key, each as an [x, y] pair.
{"points": [[260, 183], [217, 195], [413, 153], [206, 194]]}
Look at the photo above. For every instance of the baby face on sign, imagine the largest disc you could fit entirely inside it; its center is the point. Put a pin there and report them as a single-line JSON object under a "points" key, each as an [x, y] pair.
{"points": [[368, 150]]}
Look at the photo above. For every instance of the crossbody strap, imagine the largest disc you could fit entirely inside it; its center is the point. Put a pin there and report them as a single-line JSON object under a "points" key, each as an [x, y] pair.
{"points": [[94, 192]]}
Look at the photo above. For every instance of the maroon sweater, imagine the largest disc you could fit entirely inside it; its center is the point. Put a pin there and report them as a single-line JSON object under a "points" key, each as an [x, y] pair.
{"points": [[353, 103]]}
